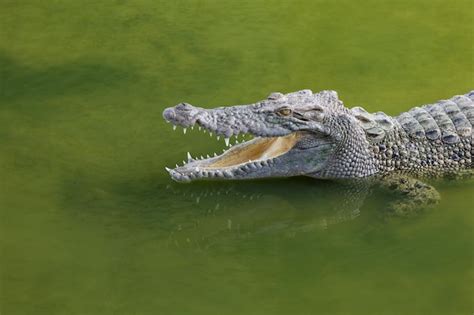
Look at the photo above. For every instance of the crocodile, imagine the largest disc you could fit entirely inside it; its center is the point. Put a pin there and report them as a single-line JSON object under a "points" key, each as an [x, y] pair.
{"points": [[314, 134]]}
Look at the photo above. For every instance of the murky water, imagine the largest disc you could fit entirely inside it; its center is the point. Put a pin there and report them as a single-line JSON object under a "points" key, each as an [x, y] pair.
{"points": [[91, 223]]}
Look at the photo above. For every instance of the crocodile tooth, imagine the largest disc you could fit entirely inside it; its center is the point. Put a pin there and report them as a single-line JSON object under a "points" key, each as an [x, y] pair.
{"points": [[210, 134], [177, 165], [218, 137], [168, 169], [207, 156], [199, 127], [189, 157], [226, 141], [215, 154], [202, 157], [174, 127], [184, 162], [184, 130]]}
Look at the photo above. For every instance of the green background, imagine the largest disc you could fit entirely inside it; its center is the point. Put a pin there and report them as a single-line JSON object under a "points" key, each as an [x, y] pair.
{"points": [[90, 223]]}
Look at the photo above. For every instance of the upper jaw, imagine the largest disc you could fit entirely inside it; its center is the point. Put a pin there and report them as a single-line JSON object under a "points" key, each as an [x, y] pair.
{"points": [[225, 121]]}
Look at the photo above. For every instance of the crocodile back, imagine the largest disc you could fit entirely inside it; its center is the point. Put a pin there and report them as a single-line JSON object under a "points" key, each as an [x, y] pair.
{"points": [[430, 140], [449, 121]]}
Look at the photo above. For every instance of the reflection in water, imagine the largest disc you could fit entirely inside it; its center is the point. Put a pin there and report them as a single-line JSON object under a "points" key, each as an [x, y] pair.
{"points": [[335, 201], [217, 212], [206, 213], [240, 211]]}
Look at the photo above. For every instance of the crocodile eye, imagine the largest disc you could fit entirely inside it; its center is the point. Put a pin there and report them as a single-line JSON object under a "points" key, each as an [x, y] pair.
{"points": [[284, 111]]}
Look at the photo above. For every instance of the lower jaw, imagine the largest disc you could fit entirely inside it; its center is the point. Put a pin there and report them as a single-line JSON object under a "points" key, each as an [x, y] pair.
{"points": [[248, 170]]}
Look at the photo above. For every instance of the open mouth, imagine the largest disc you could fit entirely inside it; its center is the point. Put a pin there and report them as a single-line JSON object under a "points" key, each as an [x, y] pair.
{"points": [[237, 160]]}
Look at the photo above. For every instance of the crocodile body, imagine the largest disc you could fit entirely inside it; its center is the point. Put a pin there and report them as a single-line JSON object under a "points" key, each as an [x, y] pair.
{"points": [[314, 134], [428, 141]]}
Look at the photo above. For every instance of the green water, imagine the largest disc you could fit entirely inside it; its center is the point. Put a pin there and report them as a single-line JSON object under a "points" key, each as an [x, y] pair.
{"points": [[90, 223]]}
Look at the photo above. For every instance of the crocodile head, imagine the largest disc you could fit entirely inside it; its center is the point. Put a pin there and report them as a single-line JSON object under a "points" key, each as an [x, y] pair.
{"points": [[300, 133]]}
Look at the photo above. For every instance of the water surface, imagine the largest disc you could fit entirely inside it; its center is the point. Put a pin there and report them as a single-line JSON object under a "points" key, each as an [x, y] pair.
{"points": [[90, 223]]}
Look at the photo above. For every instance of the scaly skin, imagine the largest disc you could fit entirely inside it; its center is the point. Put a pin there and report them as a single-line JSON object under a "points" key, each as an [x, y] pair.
{"points": [[314, 134], [430, 141]]}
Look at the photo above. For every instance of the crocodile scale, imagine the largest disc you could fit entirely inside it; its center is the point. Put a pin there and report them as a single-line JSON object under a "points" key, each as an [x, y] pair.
{"points": [[429, 140]]}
